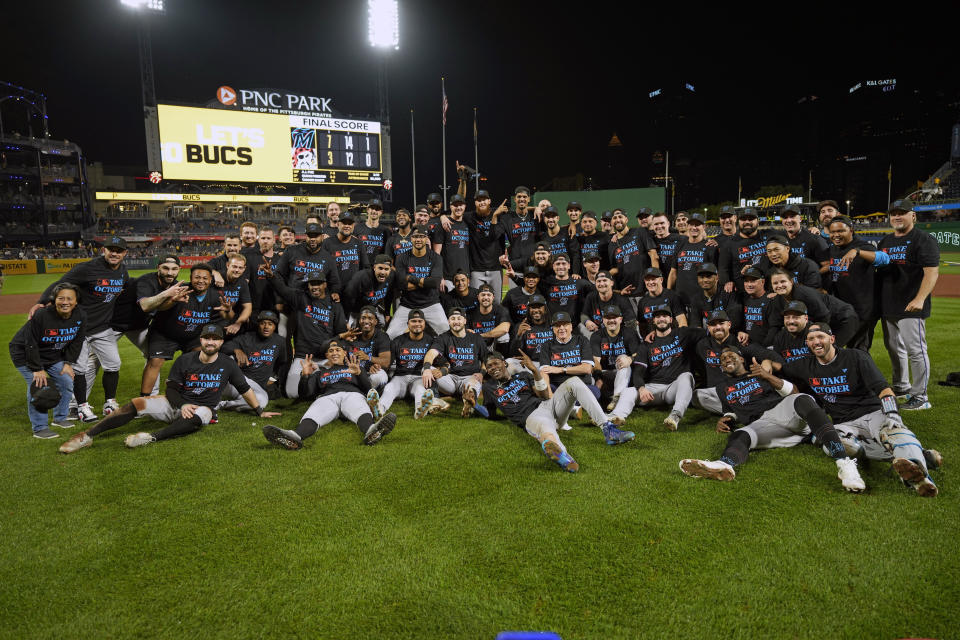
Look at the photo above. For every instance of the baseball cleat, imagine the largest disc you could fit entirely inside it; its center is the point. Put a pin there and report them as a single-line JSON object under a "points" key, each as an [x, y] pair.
{"points": [[565, 427], [439, 405], [933, 458], [138, 439], [617, 421], [578, 411], [86, 412], [426, 403], [558, 455], [615, 436], [914, 476], [379, 429], [110, 406], [77, 442], [282, 437], [45, 434], [613, 402], [915, 403], [373, 401], [713, 469], [672, 421], [849, 476], [481, 410]]}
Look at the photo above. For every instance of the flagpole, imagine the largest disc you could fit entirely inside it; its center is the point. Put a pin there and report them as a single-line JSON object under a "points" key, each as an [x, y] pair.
{"points": [[889, 183], [739, 189], [476, 154], [443, 109], [666, 179], [810, 186], [413, 160]]}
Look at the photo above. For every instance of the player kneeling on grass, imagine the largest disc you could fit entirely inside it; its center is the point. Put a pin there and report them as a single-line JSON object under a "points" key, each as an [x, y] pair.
{"points": [[194, 387], [775, 415], [863, 407], [525, 399], [339, 389]]}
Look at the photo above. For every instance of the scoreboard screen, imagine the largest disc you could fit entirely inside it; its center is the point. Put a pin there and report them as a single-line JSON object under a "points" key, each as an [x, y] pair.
{"points": [[244, 146]]}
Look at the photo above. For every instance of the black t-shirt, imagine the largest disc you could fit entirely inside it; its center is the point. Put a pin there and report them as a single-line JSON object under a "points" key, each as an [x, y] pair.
{"points": [[570, 354], [481, 323], [350, 256], [468, 303], [202, 383], [701, 307], [318, 319], [562, 243], [531, 340], [261, 293], [465, 354], [608, 348], [99, 285], [237, 294], [790, 347], [515, 398], [809, 245], [629, 255], [709, 350], [429, 265], [364, 289], [593, 308], [521, 233], [264, 355], [128, 315], [407, 354], [373, 347], [297, 261], [900, 280], [667, 250], [738, 253], [662, 360], [748, 396], [47, 338], [565, 295], [689, 257], [756, 317], [486, 245], [806, 272], [515, 303], [855, 283], [183, 321], [374, 239], [331, 380], [455, 247], [649, 304], [598, 243], [399, 244], [849, 386]]}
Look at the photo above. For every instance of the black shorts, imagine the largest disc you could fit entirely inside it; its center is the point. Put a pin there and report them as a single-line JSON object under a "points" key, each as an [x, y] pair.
{"points": [[160, 346]]}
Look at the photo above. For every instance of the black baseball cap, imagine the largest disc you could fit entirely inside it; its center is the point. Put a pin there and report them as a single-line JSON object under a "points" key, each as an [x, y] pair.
{"points": [[550, 212], [727, 211], [644, 212], [900, 205], [733, 348], [169, 257], [749, 212], [708, 267], [485, 287], [416, 313], [561, 317], [266, 314], [531, 272], [456, 311], [212, 331], [482, 194], [375, 204], [820, 326], [795, 306], [521, 189], [696, 218], [607, 215], [573, 204], [116, 242], [590, 257], [315, 276], [346, 217], [611, 311], [652, 272], [662, 311], [382, 258], [778, 239], [542, 245], [368, 308], [420, 230], [561, 256], [537, 300], [433, 197], [604, 274], [791, 210], [457, 199], [589, 214], [313, 229], [44, 398], [718, 315], [752, 273]]}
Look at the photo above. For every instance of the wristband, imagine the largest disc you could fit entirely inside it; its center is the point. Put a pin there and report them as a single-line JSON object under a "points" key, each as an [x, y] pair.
{"points": [[540, 385], [786, 388], [258, 410], [889, 404]]}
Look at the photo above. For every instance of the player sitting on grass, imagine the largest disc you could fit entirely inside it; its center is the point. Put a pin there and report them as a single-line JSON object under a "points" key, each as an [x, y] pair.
{"points": [[194, 387], [339, 390], [526, 400], [406, 352], [775, 415]]}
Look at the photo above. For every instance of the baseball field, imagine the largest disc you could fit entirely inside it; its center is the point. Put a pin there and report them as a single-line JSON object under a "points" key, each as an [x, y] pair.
{"points": [[455, 528]]}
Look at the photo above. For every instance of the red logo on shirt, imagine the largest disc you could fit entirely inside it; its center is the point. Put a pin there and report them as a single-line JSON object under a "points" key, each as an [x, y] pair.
{"points": [[51, 332]]}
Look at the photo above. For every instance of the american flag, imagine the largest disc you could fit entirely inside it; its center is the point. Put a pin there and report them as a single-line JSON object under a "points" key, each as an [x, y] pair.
{"points": [[444, 106]]}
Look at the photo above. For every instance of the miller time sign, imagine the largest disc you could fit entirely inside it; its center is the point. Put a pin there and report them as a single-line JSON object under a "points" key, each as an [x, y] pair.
{"points": [[763, 203]]}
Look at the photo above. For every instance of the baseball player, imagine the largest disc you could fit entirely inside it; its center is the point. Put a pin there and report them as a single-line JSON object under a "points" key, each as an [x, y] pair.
{"points": [[260, 354], [464, 353], [418, 277], [614, 350], [662, 375], [407, 352]]}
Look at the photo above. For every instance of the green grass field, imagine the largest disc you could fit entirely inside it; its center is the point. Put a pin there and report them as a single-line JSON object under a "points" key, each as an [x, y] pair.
{"points": [[461, 529]]}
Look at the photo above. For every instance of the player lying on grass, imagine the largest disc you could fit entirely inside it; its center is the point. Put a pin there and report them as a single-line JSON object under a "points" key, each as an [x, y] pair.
{"points": [[525, 399], [863, 407], [339, 389], [194, 388], [775, 415]]}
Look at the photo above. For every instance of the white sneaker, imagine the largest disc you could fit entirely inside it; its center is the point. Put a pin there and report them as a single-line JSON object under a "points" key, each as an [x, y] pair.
{"points": [[138, 439], [110, 406], [565, 427], [713, 469], [77, 442], [849, 476], [86, 412]]}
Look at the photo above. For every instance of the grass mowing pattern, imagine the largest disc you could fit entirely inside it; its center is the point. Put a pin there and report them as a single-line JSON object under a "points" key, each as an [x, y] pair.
{"points": [[454, 528]]}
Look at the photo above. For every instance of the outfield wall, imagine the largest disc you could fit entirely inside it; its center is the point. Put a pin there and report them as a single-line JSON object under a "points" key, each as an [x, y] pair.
{"points": [[62, 265]]}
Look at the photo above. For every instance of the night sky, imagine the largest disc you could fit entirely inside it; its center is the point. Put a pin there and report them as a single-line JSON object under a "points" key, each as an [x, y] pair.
{"points": [[550, 88]]}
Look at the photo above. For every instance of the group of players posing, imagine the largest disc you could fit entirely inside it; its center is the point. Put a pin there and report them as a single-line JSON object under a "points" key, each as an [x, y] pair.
{"points": [[591, 318]]}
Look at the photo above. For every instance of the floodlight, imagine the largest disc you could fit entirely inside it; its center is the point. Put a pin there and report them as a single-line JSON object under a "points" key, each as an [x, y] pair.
{"points": [[384, 23], [155, 6]]}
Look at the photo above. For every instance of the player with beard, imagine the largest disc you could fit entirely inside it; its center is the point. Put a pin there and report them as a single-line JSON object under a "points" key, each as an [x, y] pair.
{"points": [[631, 252], [563, 291], [728, 227], [790, 341], [666, 241], [318, 320], [663, 372], [600, 297], [656, 297], [644, 217], [464, 353], [710, 298], [260, 355], [559, 243], [372, 233], [194, 387], [779, 254], [374, 287], [490, 321], [520, 226], [400, 242], [407, 352], [248, 235], [541, 260], [739, 253], [774, 415], [486, 243], [421, 218], [525, 399], [178, 321], [517, 299], [757, 307], [531, 332], [827, 210], [823, 307], [863, 408], [691, 254], [462, 295], [419, 275], [333, 218], [850, 277], [339, 389], [260, 292], [803, 243], [452, 241], [349, 253], [371, 346], [708, 349], [237, 294], [614, 350], [309, 257], [435, 205]]}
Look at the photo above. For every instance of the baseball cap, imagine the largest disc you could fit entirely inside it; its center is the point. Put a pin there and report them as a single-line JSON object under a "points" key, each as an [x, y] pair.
{"points": [[696, 218], [795, 306], [561, 317], [752, 273], [561, 256], [644, 212], [749, 212], [485, 287], [521, 189], [368, 308], [542, 245], [727, 211], [313, 229], [611, 311], [420, 230], [820, 326], [433, 197], [707, 267], [169, 257], [900, 205], [375, 204], [266, 314], [790, 210], [604, 274], [607, 215], [537, 300], [456, 311], [44, 398], [347, 217], [718, 315], [531, 272], [416, 313], [116, 242], [550, 212], [591, 257], [212, 331], [382, 259], [315, 276], [457, 199], [828, 203], [661, 311], [778, 239], [573, 204], [482, 194], [589, 214], [733, 348], [652, 272]]}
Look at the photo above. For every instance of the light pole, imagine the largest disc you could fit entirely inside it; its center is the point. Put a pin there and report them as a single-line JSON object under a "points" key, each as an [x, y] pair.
{"points": [[148, 88], [848, 208], [383, 30]]}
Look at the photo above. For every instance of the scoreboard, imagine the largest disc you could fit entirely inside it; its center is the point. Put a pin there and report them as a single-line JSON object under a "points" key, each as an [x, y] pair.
{"points": [[248, 146]]}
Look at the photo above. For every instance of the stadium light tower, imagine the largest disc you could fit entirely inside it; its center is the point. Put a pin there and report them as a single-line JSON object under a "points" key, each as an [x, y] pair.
{"points": [[148, 87], [383, 30]]}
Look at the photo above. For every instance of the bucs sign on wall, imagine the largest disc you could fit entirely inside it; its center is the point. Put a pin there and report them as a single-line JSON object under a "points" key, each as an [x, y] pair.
{"points": [[240, 146]]}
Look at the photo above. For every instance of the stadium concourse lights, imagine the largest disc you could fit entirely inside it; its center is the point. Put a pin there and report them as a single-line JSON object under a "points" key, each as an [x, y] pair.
{"points": [[383, 18], [155, 6]]}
